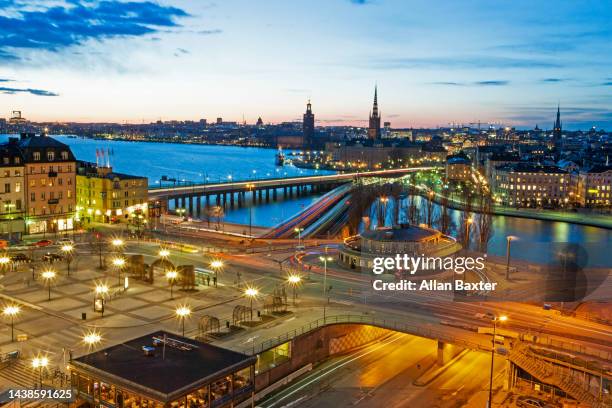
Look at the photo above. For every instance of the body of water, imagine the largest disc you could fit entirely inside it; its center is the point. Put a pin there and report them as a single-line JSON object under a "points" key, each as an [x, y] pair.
{"points": [[200, 163]]}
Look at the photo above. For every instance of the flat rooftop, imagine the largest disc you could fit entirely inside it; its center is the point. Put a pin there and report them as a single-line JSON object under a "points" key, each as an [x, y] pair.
{"points": [[184, 361]]}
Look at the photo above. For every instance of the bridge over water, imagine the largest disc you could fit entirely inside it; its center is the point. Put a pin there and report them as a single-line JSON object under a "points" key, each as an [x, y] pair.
{"points": [[190, 196]]}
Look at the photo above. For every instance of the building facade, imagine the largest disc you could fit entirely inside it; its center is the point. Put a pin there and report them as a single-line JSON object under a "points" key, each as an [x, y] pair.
{"points": [[12, 192], [595, 187], [458, 167], [49, 184], [533, 185], [107, 196]]}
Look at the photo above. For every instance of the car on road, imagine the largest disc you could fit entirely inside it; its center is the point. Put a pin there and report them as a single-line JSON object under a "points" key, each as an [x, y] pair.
{"points": [[20, 258], [532, 402], [43, 243], [64, 241], [49, 257]]}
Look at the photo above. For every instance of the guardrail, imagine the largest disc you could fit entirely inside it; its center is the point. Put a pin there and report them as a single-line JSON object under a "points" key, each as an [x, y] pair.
{"points": [[371, 321]]}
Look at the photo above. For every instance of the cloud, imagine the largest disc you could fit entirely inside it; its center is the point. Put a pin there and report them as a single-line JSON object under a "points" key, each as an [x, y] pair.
{"points": [[181, 51], [6, 80], [37, 92], [491, 83], [477, 83], [607, 83], [360, 2], [462, 62], [57, 27], [209, 32], [552, 80]]}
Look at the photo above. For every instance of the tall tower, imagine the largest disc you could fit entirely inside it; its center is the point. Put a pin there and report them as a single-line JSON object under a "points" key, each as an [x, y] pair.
{"points": [[557, 134], [374, 127], [308, 126]]}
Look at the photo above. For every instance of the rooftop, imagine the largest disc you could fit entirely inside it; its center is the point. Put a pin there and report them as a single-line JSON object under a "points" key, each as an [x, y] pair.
{"points": [[184, 362], [403, 233]]}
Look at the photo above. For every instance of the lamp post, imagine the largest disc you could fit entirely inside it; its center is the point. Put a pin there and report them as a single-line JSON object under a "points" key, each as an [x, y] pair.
{"points": [[250, 187], [11, 311], [383, 212], [509, 239], [92, 338], [67, 250], [251, 293], [100, 292], [495, 319], [182, 313], [299, 232], [4, 261], [40, 363], [216, 265], [294, 280], [163, 253], [325, 259], [171, 276], [119, 263], [117, 244], [48, 276], [468, 224]]}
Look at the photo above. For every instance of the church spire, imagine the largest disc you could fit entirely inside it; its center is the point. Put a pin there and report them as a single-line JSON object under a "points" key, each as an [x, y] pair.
{"points": [[375, 106]]}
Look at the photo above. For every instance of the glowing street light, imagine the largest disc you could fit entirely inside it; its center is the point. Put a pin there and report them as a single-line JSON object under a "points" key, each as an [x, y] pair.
{"points": [[119, 263], [67, 250], [294, 281], [163, 253], [100, 292], [40, 363], [299, 232], [468, 224], [250, 187], [11, 311], [48, 276], [509, 239], [92, 338], [182, 312], [216, 265], [251, 293], [4, 261], [495, 319], [325, 259], [117, 244], [171, 276]]}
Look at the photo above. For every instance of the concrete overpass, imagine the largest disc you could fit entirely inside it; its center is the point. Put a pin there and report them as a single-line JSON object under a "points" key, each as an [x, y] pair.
{"points": [[190, 196]]}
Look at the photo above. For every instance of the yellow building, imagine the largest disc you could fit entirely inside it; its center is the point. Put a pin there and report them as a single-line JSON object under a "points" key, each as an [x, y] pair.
{"points": [[110, 197]]}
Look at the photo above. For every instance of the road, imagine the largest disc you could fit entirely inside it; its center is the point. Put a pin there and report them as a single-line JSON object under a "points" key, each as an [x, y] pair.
{"points": [[383, 374]]}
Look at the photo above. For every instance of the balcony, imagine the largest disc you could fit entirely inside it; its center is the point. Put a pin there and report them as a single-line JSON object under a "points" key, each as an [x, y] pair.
{"points": [[53, 174], [53, 201]]}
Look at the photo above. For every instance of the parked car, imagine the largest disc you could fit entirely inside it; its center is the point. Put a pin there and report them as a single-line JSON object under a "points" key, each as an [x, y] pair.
{"points": [[49, 257], [43, 243], [20, 258], [532, 402]]}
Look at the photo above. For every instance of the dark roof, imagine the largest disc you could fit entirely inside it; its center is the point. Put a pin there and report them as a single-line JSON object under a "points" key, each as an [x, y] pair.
{"points": [[30, 143], [403, 233], [460, 158], [195, 365], [504, 156], [11, 151], [599, 169], [523, 167], [89, 169]]}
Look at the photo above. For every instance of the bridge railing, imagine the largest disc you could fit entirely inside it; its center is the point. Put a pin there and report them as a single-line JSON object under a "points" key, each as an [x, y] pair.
{"points": [[384, 323]]}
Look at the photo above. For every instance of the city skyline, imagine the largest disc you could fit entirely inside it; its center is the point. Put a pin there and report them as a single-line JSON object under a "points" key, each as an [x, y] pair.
{"points": [[144, 61]]}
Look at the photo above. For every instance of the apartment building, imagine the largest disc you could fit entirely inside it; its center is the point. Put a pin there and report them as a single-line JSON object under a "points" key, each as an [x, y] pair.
{"points": [[12, 211], [107, 196], [595, 187]]}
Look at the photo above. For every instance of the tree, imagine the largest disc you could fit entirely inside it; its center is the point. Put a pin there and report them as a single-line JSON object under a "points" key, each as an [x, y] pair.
{"points": [[485, 219]]}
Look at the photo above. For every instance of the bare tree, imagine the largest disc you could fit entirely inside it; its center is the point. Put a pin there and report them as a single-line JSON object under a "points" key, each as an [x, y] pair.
{"points": [[445, 218], [485, 219]]}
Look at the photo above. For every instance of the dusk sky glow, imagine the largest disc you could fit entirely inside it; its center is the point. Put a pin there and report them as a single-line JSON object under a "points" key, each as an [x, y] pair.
{"points": [[453, 61]]}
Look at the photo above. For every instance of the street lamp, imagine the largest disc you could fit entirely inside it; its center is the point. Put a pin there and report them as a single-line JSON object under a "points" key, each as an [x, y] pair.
{"points": [[4, 261], [164, 253], [216, 265], [251, 293], [48, 276], [495, 319], [250, 187], [181, 212], [299, 232], [100, 292], [67, 250], [92, 338], [182, 313], [325, 259], [294, 280], [171, 276], [468, 224], [383, 213], [40, 363], [117, 244], [119, 263], [11, 311], [509, 239]]}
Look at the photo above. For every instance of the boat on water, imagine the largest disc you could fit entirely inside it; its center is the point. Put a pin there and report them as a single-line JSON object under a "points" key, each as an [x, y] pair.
{"points": [[280, 157]]}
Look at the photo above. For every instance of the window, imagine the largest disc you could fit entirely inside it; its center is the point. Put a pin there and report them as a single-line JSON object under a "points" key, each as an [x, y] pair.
{"points": [[7, 187], [17, 173], [17, 160], [18, 187], [50, 156], [18, 204], [6, 160], [36, 156], [32, 183], [42, 195], [69, 193], [7, 173], [60, 195], [64, 155], [60, 181], [32, 196], [43, 181]]}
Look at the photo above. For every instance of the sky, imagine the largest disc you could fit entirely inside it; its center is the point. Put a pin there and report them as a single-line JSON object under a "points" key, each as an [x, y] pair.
{"points": [[434, 62]]}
